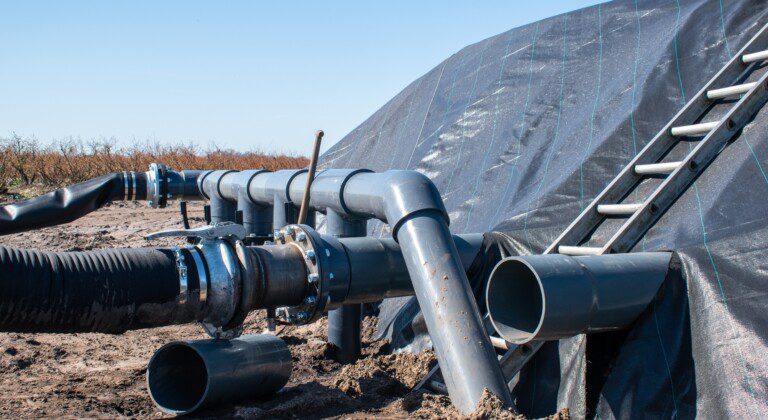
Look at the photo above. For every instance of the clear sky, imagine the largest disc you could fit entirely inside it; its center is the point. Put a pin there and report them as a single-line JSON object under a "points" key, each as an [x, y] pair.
{"points": [[248, 75]]}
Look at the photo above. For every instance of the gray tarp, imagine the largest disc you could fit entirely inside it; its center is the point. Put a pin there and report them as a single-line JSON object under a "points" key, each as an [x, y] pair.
{"points": [[523, 129]]}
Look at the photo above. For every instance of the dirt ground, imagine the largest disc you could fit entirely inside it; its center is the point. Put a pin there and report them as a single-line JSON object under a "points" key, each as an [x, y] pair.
{"points": [[100, 375]]}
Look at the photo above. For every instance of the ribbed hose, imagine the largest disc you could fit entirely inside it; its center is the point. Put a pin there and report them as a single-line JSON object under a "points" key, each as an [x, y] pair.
{"points": [[107, 291], [67, 204]]}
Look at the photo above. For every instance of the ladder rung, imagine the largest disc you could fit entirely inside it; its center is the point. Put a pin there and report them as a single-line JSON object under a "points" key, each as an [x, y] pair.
{"points": [[579, 250], [694, 129], [753, 57], [618, 209], [730, 91], [499, 343], [664, 168]]}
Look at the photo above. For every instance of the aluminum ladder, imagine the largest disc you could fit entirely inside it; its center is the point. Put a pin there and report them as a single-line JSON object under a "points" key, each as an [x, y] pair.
{"points": [[728, 84]]}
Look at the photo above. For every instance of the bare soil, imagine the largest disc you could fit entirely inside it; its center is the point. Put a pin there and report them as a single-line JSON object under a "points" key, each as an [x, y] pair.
{"points": [[103, 376]]}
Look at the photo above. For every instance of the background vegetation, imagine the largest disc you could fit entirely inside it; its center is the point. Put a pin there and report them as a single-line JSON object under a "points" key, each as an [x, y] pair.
{"points": [[25, 162]]}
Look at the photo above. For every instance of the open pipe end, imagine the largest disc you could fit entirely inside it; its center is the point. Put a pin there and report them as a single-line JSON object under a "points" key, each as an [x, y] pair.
{"points": [[516, 301], [177, 378]]}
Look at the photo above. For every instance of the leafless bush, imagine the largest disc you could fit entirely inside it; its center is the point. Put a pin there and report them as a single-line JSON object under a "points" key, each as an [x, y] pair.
{"points": [[24, 161]]}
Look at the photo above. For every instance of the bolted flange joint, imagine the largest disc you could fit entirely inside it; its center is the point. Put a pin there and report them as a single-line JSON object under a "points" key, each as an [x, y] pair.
{"points": [[312, 307]]}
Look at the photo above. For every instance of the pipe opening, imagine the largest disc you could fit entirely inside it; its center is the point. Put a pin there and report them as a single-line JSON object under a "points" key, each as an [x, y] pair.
{"points": [[515, 300], [177, 378]]}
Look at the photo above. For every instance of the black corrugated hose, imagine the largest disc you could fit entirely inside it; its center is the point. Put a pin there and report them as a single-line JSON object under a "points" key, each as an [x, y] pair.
{"points": [[107, 291]]}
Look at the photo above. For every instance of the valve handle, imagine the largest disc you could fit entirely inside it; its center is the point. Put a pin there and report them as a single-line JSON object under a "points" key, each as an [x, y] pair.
{"points": [[217, 230]]}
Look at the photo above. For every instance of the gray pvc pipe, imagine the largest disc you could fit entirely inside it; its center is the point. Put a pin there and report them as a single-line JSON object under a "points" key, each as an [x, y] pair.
{"points": [[223, 208], [378, 271], [185, 376], [344, 323], [184, 185], [409, 198], [550, 297], [467, 359]]}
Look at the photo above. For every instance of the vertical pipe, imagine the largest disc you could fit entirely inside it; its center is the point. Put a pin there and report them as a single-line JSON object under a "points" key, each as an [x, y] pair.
{"points": [[344, 323], [222, 210], [284, 213], [257, 218], [464, 351]]}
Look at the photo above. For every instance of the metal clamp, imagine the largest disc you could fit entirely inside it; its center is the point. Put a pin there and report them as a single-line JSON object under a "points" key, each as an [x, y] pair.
{"points": [[202, 274], [126, 191], [181, 266], [129, 187], [135, 192]]}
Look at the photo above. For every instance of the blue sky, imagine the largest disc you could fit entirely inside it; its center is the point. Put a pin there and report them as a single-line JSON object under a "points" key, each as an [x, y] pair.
{"points": [[247, 75]]}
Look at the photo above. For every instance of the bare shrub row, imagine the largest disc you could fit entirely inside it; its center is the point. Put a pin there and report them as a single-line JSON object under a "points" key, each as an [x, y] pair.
{"points": [[24, 161]]}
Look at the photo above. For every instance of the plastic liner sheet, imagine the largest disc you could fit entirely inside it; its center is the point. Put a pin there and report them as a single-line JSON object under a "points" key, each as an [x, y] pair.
{"points": [[520, 131]]}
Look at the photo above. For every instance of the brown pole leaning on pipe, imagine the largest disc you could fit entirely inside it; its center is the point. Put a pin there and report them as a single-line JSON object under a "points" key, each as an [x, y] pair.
{"points": [[310, 176]]}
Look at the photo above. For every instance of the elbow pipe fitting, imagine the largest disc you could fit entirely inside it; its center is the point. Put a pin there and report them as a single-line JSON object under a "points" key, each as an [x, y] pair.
{"points": [[391, 196], [411, 204], [551, 297]]}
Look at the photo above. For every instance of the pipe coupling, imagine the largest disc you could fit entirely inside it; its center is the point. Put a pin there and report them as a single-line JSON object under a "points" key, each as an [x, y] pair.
{"points": [[129, 187]]}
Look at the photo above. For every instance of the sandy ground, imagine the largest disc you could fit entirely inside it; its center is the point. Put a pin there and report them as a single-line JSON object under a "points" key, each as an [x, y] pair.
{"points": [[99, 375]]}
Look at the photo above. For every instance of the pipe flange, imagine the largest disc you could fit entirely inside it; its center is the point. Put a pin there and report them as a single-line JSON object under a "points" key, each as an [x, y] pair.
{"points": [[157, 186], [313, 306]]}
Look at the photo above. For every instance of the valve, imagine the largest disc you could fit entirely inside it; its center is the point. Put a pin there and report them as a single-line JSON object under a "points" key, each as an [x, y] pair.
{"points": [[221, 270]]}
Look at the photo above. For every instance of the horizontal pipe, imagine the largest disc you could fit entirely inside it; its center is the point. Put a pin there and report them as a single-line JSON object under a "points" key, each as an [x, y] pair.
{"points": [[109, 291], [378, 269], [283, 276], [65, 205], [550, 297], [186, 376]]}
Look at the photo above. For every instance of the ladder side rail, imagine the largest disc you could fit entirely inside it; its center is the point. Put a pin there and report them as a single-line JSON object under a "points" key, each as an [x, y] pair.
{"points": [[515, 358], [692, 166], [627, 179]]}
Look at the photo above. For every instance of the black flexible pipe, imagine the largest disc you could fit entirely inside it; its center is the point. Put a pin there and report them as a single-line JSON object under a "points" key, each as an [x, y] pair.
{"points": [[67, 204], [107, 291]]}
